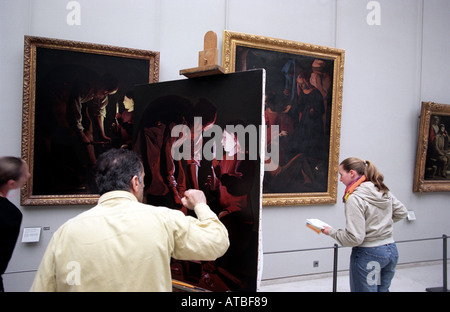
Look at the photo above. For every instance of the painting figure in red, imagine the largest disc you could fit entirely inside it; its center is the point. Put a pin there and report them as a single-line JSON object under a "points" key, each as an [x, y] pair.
{"points": [[232, 180]]}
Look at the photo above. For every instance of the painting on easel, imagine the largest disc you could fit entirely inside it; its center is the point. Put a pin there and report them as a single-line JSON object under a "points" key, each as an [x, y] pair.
{"points": [[204, 133]]}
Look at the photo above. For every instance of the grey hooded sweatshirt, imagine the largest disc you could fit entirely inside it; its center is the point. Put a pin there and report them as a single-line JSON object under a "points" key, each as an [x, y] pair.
{"points": [[370, 216]]}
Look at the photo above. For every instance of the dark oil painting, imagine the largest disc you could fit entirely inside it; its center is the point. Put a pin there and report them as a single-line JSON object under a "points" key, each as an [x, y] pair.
{"points": [[83, 106], [193, 117]]}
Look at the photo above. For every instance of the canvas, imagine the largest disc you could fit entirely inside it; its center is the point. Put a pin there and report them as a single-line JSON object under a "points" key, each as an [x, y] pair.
{"points": [[184, 134]]}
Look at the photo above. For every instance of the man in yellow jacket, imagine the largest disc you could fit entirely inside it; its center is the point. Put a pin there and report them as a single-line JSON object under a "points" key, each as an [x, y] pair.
{"points": [[124, 245]]}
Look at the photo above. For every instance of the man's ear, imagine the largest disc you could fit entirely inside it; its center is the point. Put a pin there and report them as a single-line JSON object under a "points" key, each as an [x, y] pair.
{"points": [[135, 184]]}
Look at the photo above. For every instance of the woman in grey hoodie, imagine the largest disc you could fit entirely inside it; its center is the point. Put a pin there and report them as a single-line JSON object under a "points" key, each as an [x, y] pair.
{"points": [[370, 212]]}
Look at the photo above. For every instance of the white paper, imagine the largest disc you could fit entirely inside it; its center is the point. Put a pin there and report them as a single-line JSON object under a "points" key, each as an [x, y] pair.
{"points": [[411, 216], [31, 235], [317, 223]]}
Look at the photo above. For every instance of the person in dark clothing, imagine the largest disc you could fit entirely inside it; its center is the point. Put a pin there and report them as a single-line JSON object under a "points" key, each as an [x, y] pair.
{"points": [[13, 174], [307, 115]]}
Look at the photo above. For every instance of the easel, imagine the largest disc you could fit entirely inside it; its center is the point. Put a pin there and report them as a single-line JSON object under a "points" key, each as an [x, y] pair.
{"points": [[208, 59]]}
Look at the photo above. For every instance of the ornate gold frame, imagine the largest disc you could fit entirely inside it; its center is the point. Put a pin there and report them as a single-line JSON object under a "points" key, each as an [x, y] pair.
{"points": [[421, 183], [29, 102], [233, 39]]}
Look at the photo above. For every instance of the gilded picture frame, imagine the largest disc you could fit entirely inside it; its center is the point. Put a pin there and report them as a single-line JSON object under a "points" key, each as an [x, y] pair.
{"points": [[308, 170], [73, 98], [431, 172]]}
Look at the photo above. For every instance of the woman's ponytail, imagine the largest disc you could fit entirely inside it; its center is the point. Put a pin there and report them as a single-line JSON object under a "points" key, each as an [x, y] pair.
{"points": [[372, 174]]}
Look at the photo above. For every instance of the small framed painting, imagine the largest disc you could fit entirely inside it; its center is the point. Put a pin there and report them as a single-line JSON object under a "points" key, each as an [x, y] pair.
{"points": [[433, 149]]}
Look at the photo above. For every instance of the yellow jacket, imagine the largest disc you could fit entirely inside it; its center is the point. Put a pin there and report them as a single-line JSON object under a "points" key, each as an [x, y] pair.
{"points": [[124, 245]]}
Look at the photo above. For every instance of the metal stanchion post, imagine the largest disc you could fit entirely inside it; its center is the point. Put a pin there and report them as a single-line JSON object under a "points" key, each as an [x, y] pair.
{"points": [[444, 268], [335, 267]]}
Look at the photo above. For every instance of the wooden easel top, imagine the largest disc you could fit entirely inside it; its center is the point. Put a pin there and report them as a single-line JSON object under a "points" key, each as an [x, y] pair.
{"points": [[207, 59]]}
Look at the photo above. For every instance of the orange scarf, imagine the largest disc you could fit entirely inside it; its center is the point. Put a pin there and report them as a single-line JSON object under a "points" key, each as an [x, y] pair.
{"points": [[352, 186]]}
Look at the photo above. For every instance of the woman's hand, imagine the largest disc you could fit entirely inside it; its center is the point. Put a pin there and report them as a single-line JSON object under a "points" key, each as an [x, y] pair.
{"points": [[325, 230]]}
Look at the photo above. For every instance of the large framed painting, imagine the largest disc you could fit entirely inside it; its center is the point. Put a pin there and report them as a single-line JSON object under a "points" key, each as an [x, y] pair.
{"points": [[432, 170], [204, 133], [78, 101], [303, 105]]}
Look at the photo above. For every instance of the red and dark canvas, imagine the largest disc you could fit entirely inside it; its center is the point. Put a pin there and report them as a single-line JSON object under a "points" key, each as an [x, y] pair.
{"points": [[204, 133]]}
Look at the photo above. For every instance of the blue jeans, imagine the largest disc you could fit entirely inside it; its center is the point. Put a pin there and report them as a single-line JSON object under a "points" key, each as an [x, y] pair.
{"points": [[372, 268]]}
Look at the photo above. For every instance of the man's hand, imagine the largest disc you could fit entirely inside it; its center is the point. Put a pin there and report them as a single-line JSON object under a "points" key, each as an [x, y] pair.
{"points": [[192, 198]]}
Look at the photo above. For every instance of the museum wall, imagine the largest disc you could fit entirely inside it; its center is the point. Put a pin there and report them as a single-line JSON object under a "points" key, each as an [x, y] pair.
{"points": [[389, 69]]}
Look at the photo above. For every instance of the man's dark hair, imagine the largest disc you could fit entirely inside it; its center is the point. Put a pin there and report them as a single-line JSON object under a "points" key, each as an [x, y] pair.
{"points": [[116, 168]]}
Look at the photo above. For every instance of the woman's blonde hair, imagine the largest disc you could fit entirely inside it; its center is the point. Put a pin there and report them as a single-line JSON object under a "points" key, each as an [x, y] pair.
{"points": [[366, 168]]}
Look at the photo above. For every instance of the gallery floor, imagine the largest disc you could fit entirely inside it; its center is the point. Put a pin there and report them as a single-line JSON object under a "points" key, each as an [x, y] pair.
{"points": [[414, 277]]}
